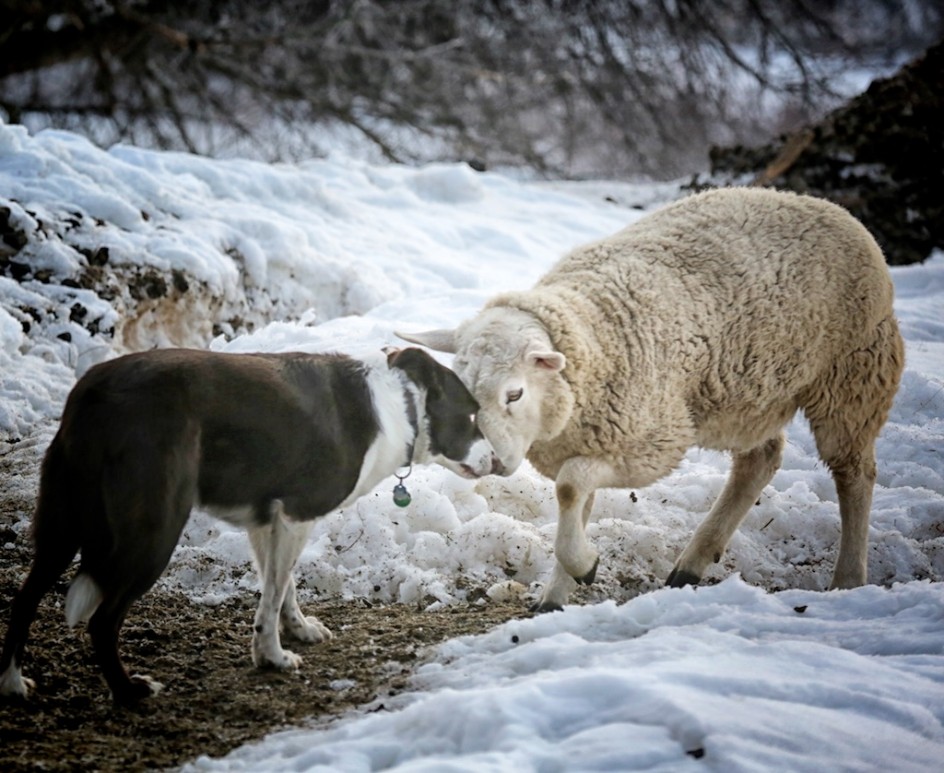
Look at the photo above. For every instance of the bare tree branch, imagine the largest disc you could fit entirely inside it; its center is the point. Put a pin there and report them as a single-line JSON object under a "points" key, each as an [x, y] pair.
{"points": [[567, 87]]}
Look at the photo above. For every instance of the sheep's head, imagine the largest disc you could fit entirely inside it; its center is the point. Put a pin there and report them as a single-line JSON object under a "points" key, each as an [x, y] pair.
{"points": [[506, 359]]}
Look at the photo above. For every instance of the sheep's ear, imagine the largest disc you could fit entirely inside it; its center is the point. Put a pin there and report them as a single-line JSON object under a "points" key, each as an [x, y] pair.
{"points": [[438, 340], [554, 361]]}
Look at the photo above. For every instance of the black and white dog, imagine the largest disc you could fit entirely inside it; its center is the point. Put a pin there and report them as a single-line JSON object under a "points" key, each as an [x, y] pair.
{"points": [[265, 441]]}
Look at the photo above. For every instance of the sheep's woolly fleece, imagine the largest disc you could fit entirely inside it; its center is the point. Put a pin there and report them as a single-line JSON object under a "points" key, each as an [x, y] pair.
{"points": [[702, 324]]}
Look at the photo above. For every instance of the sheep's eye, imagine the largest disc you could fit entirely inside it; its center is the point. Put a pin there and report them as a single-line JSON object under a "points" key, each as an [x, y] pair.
{"points": [[513, 397]]}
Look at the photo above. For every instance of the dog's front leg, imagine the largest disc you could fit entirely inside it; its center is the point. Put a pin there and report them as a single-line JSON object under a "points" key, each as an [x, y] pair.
{"points": [[277, 547], [294, 623]]}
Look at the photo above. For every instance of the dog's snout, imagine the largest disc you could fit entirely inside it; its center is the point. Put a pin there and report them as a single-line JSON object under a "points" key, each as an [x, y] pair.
{"points": [[485, 464]]}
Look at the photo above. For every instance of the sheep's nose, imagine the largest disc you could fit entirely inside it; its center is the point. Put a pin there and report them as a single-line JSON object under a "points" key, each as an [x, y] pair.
{"points": [[497, 467]]}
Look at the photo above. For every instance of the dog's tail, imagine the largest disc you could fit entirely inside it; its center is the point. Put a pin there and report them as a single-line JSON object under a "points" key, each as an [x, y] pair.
{"points": [[82, 600], [57, 525]]}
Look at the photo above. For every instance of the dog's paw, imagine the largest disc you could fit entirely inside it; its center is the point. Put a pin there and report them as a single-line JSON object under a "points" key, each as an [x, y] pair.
{"points": [[283, 661], [134, 689], [146, 682], [275, 657], [14, 685], [307, 629]]}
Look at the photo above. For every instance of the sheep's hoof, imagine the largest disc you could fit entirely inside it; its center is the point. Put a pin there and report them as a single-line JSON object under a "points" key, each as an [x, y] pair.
{"points": [[539, 607], [590, 576], [679, 578]]}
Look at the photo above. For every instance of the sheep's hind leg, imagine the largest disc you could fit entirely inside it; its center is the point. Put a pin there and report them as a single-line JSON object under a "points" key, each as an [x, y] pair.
{"points": [[846, 412], [576, 560], [750, 472], [854, 488]]}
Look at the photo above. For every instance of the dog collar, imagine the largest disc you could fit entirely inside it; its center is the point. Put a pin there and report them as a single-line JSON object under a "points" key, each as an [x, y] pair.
{"points": [[401, 496]]}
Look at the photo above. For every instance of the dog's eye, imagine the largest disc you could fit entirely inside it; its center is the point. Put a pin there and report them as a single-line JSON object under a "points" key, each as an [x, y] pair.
{"points": [[513, 396], [472, 418]]}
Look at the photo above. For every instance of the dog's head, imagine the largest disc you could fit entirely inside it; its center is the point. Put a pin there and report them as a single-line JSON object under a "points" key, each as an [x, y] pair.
{"points": [[454, 438]]}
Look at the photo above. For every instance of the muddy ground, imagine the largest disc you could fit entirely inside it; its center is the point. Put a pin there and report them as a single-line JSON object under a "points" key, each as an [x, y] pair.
{"points": [[214, 700]]}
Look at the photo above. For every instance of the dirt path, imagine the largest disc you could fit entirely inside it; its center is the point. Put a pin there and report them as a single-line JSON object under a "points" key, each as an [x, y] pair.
{"points": [[214, 700]]}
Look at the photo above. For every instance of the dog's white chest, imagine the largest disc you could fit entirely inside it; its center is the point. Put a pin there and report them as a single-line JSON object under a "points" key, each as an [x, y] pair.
{"points": [[395, 436]]}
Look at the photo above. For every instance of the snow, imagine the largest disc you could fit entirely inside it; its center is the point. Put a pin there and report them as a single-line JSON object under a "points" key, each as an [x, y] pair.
{"points": [[760, 671], [746, 680]]}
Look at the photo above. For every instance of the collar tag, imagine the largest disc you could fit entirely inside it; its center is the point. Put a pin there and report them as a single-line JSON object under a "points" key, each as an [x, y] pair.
{"points": [[402, 497]]}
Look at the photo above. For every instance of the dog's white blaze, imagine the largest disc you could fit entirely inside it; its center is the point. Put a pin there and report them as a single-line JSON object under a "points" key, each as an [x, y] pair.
{"points": [[82, 600], [394, 435]]}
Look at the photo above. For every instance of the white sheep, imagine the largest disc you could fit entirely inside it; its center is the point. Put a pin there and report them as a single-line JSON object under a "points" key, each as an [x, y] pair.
{"points": [[706, 323]]}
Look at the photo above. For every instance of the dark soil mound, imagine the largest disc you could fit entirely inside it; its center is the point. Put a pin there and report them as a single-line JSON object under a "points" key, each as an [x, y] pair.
{"points": [[881, 156]]}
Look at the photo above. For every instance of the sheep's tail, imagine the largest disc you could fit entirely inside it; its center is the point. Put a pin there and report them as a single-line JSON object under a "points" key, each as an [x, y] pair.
{"points": [[82, 600]]}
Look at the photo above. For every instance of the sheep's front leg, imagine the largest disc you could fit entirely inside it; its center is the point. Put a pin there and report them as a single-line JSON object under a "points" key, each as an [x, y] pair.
{"points": [[574, 553], [750, 472], [854, 486], [577, 561]]}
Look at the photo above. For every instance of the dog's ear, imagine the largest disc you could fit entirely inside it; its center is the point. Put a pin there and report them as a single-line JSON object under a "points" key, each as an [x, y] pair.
{"points": [[392, 352], [444, 390], [419, 367]]}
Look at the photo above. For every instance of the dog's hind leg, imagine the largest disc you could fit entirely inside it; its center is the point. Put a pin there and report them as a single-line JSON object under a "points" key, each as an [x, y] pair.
{"points": [[131, 574], [148, 497], [103, 628], [56, 542], [48, 565], [277, 547]]}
